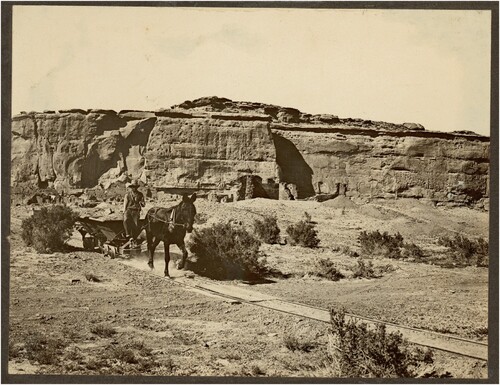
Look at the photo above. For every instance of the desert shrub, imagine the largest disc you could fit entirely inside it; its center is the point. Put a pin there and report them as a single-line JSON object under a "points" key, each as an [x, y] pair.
{"points": [[376, 243], [124, 354], [140, 346], [267, 229], [71, 334], [104, 331], [412, 251], [74, 355], [14, 350], [96, 364], [361, 351], [346, 250], [325, 268], [482, 253], [48, 229], [200, 218], [364, 270], [465, 251], [167, 365], [43, 349], [303, 233], [478, 332], [382, 269], [293, 343], [256, 370], [133, 358], [227, 252]]}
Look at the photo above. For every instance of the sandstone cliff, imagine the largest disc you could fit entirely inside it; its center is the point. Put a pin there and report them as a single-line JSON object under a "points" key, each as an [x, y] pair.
{"points": [[210, 143]]}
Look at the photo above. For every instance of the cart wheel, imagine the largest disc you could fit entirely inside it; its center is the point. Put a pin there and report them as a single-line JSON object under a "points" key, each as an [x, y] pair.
{"points": [[89, 243]]}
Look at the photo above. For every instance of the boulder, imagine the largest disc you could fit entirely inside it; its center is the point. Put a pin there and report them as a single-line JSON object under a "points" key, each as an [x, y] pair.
{"points": [[326, 118], [414, 126]]}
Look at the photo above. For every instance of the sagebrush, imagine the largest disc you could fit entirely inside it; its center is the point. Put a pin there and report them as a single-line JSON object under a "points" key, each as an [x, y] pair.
{"points": [[49, 228], [132, 358], [123, 354], [224, 251], [303, 233], [358, 350], [364, 269], [43, 349], [377, 244], [465, 251], [293, 343], [325, 268], [14, 350], [412, 251], [267, 230]]}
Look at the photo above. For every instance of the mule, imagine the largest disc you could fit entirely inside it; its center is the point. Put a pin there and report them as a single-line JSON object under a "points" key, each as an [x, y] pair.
{"points": [[170, 226]]}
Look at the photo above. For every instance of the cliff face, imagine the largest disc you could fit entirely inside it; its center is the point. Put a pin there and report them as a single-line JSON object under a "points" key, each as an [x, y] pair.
{"points": [[208, 151], [68, 149], [384, 166], [59, 148], [209, 143]]}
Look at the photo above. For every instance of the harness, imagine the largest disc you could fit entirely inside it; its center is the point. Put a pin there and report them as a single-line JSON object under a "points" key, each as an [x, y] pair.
{"points": [[172, 219]]}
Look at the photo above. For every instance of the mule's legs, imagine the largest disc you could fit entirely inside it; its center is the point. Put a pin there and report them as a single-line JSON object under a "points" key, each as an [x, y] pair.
{"points": [[152, 243], [166, 245], [182, 262], [149, 240]]}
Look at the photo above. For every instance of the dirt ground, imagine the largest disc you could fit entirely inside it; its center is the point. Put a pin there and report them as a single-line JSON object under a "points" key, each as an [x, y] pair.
{"points": [[134, 321]]}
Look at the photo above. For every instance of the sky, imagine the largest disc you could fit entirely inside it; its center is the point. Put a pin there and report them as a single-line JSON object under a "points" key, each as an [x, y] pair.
{"points": [[423, 66]]}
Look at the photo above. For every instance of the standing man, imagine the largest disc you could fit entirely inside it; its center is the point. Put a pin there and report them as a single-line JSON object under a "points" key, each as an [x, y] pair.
{"points": [[288, 193], [133, 202]]}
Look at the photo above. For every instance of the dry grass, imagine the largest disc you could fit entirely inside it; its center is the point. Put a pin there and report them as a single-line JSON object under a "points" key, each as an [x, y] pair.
{"points": [[104, 331], [43, 349]]}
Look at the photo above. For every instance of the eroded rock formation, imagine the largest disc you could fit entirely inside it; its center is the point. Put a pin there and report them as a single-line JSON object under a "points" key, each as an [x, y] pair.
{"points": [[211, 143]]}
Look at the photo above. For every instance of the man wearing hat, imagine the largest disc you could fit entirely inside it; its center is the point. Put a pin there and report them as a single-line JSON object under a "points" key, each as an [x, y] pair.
{"points": [[133, 202]]}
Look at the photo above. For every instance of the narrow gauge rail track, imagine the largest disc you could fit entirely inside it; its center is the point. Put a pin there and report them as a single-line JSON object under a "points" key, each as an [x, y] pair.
{"points": [[439, 341]]}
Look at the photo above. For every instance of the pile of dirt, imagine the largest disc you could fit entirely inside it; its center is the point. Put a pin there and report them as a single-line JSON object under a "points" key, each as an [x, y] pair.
{"points": [[340, 202]]}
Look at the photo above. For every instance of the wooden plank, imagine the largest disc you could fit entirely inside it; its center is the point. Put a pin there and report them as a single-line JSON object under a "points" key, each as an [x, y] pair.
{"points": [[416, 336], [227, 290]]}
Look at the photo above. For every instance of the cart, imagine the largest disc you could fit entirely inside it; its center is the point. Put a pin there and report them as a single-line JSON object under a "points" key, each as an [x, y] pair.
{"points": [[106, 235]]}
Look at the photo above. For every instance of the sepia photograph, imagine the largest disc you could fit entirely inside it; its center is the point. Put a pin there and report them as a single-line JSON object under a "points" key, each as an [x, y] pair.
{"points": [[249, 192]]}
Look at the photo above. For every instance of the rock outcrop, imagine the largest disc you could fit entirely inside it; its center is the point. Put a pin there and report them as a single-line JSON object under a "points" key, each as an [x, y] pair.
{"points": [[211, 143], [209, 151], [384, 166]]}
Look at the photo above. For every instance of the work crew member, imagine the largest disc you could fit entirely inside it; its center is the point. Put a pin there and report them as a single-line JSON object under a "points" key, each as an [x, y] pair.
{"points": [[133, 202], [288, 193]]}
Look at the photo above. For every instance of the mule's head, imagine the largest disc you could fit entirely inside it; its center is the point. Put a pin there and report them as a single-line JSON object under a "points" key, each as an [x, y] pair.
{"points": [[187, 211]]}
